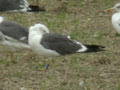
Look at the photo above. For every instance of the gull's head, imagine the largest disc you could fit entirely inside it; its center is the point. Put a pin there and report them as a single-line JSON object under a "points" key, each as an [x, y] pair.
{"points": [[116, 7], [39, 28]]}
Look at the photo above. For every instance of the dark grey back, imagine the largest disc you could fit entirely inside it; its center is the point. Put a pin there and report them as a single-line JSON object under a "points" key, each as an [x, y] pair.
{"points": [[6, 5], [59, 43], [14, 30]]}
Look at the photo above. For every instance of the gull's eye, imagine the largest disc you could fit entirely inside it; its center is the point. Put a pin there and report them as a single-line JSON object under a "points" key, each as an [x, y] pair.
{"points": [[118, 7], [44, 31]]}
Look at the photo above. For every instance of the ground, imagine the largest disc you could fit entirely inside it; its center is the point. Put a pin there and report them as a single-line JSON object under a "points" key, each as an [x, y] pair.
{"points": [[83, 21]]}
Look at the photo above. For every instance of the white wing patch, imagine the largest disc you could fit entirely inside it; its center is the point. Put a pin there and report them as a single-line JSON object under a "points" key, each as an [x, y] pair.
{"points": [[83, 49], [22, 38], [10, 39], [25, 6], [68, 37], [26, 3], [11, 42]]}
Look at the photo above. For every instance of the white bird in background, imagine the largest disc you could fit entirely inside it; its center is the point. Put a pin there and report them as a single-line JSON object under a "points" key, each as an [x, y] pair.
{"points": [[50, 44], [115, 17]]}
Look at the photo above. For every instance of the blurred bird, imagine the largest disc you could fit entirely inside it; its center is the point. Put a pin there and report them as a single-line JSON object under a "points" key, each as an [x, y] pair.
{"points": [[18, 5], [13, 36], [115, 17]]}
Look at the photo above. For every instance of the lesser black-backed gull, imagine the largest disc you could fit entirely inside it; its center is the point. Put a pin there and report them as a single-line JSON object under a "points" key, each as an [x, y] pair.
{"points": [[13, 35], [115, 17], [18, 5], [53, 44]]}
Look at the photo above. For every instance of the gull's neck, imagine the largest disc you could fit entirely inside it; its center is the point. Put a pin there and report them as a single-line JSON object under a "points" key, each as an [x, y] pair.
{"points": [[116, 21]]}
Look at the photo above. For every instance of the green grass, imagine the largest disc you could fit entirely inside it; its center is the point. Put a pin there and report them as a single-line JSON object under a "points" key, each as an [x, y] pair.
{"points": [[1, 62], [83, 21], [106, 2]]}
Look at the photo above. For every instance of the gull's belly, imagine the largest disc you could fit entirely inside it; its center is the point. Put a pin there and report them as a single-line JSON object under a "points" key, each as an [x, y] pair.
{"points": [[38, 48], [116, 21]]}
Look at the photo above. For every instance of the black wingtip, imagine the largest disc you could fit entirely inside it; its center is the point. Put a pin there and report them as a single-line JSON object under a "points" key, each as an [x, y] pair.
{"points": [[35, 8], [95, 48]]}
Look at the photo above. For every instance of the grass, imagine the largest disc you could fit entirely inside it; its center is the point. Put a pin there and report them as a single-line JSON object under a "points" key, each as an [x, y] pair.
{"points": [[83, 21]]}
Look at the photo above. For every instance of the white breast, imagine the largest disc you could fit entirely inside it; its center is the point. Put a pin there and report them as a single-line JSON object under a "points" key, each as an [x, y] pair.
{"points": [[34, 42], [116, 21]]}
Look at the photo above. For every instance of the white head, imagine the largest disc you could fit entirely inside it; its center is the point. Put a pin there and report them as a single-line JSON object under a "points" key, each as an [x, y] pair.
{"points": [[117, 7], [115, 16], [39, 28]]}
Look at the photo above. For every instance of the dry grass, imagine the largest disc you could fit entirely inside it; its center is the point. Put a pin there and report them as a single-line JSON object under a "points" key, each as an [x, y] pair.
{"points": [[84, 22]]}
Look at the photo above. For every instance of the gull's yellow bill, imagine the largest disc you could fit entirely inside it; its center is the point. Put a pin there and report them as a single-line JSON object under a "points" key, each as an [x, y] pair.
{"points": [[109, 10]]}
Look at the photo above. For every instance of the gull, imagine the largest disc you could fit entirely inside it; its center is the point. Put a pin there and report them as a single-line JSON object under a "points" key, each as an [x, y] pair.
{"points": [[13, 36], [49, 44], [115, 17], [18, 5]]}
